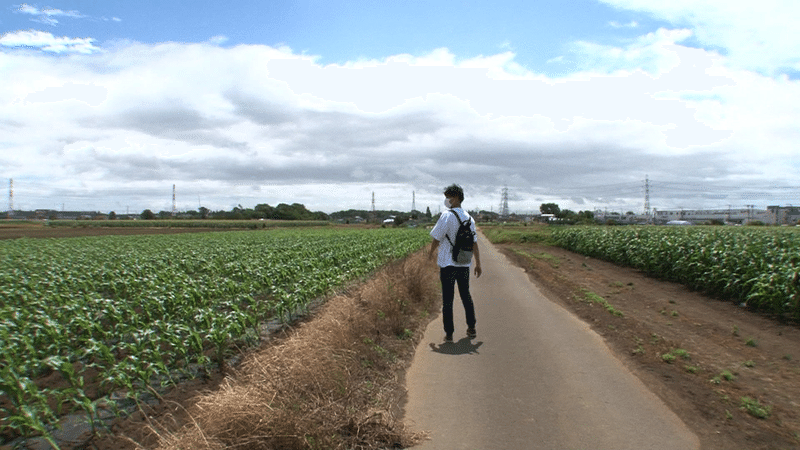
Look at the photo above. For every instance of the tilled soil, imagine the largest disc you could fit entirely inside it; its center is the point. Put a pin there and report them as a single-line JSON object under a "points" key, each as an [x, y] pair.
{"points": [[730, 352]]}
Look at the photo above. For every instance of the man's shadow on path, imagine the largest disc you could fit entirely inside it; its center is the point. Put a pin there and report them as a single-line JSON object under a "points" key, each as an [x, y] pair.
{"points": [[462, 347]]}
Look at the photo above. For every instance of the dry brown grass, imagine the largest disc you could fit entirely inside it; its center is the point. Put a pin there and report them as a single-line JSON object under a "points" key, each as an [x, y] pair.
{"points": [[332, 382]]}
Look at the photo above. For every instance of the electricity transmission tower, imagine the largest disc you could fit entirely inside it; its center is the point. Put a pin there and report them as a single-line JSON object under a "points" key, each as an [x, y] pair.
{"points": [[10, 197], [372, 212], [647, 197], [504, 203]]}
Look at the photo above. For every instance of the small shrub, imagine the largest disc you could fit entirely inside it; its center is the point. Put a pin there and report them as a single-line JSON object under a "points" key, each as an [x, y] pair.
{"points": [[590, 297], [727, 375], [755, 408], [682, 353], [674, 354]]}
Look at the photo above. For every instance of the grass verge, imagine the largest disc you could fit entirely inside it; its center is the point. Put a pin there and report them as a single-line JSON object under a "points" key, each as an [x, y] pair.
{"points": [[333, 382], [516, 234], [550, 259]]}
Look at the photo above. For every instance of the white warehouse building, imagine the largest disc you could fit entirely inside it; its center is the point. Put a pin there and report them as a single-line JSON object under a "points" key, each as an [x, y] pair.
{"points": [[780, 215], [773, 215]]}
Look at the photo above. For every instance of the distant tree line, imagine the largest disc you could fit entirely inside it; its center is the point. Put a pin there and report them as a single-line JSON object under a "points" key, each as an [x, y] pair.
{"points": [[380, 215], [566, 215], [295, 211]]}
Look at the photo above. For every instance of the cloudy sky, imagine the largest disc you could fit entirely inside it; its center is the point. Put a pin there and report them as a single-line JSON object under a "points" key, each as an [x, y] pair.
{"points": [[105, 105]]}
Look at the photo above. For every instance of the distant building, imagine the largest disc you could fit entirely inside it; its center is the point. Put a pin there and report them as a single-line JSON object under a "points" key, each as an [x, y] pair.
{"points": [[773, 215], [52, 214], [699, 216], [785, 215]]}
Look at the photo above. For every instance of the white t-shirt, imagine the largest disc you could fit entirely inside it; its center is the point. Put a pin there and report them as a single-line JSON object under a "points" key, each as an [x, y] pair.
{"points": [[448, 225]]}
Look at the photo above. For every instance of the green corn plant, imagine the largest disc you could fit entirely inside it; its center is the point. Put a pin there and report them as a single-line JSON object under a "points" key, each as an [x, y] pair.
{"points": [[30, 413], [75, 393]]}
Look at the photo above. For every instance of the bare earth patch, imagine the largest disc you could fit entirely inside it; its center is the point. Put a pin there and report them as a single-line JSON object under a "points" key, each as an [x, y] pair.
{"points": [[700, 355]]}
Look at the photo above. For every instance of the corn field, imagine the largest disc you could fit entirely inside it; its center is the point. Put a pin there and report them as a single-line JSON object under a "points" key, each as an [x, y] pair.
{"points": [[148, 310], [759, 267]]}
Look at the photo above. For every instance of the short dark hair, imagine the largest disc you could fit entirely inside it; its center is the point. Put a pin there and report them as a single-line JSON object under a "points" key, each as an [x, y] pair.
{"points": [[454, 190]]}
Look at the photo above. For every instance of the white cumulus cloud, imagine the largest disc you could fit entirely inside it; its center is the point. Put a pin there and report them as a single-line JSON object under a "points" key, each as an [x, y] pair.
{"points": [[251, 124], [34, 39], [755, 35], [47, 15]]}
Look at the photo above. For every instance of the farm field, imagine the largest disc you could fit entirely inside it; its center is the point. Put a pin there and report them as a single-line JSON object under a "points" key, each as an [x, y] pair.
{"points": [[729, 353], [716, 364], [149, 310], [14, 229], [759, 267]]}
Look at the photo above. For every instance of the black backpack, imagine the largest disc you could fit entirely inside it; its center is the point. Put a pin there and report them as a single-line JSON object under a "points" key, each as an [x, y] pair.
{"points": [[465, 238]]}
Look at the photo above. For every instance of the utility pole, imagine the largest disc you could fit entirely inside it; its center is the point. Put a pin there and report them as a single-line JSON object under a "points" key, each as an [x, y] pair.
{"points": [[173, 201]]}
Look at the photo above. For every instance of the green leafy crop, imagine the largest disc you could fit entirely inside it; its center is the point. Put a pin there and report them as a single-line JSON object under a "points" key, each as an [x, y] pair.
{"points": [[142, 310]]}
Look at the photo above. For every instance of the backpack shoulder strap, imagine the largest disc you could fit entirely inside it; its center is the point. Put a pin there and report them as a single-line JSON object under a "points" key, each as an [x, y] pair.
{"points": [[459, 222]]}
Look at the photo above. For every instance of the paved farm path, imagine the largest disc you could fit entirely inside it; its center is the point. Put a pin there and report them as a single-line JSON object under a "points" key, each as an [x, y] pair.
{"points": [[536, 377]]}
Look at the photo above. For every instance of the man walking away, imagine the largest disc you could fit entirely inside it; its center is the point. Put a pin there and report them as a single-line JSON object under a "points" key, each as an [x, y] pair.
{"points": [[448, 235]]}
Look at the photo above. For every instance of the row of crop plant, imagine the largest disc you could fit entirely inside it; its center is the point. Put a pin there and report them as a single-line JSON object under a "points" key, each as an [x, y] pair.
{"points": [[139, 310], [757, 266]]}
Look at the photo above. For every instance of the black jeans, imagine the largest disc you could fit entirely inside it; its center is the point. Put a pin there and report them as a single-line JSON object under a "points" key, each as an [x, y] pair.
{"points": [[450, 276]]}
